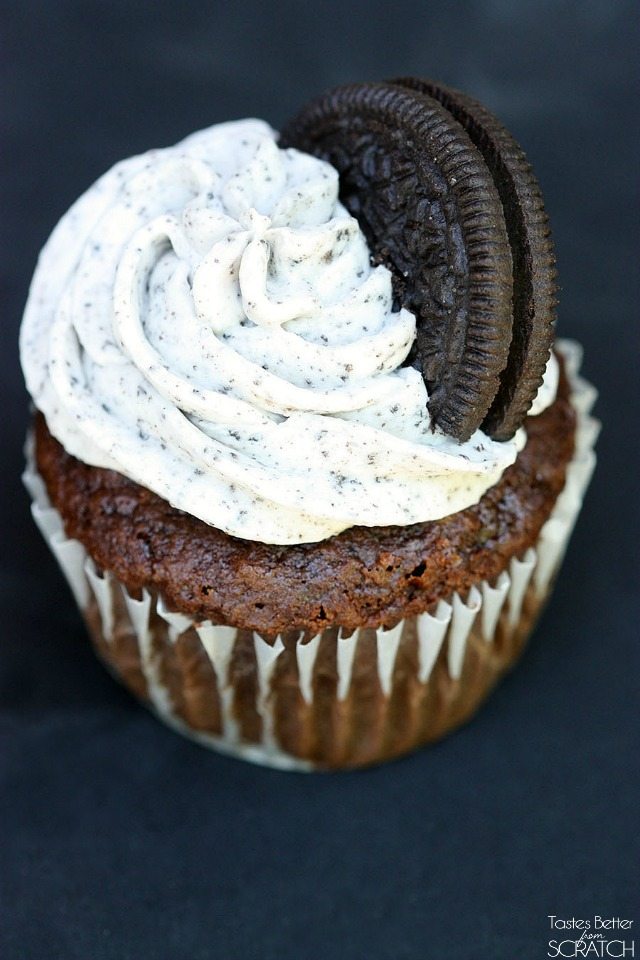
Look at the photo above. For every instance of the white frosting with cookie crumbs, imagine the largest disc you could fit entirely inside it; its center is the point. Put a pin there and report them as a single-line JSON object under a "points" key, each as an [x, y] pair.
{"points": [[548, 389], [205, 320]]}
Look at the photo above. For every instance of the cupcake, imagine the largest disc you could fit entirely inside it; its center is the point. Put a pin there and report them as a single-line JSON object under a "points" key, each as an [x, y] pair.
{"points": [[304, 444]]}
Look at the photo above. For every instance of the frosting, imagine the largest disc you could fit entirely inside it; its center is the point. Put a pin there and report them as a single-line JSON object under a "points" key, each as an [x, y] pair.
{"points": [[206, 320], [548, 388]]}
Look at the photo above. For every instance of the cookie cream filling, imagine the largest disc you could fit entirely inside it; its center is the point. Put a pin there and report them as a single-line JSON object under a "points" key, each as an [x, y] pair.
{"points": [[205, 320]]}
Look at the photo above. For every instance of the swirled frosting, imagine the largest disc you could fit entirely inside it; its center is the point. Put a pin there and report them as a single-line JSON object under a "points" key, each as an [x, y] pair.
{"points": [[206, 320]]}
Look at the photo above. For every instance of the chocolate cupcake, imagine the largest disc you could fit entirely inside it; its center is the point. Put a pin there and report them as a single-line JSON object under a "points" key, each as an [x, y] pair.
{"points": [[300, 444]]}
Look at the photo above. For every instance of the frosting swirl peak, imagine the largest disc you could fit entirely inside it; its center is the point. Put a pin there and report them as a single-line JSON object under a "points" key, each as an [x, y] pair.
{"points": [[206, 320]]}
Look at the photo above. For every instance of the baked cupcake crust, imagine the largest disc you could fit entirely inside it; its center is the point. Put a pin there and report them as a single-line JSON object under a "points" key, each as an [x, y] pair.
{"points": [[364, 577]]}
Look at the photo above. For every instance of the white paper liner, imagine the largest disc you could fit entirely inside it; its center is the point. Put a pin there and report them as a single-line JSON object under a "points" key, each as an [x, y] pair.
{"points": [[451, 624], [431, 630], [306, 654], [218, 641]]}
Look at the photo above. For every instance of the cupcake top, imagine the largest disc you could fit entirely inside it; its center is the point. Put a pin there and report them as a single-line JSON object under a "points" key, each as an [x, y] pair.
{"points": [[206, 320]]}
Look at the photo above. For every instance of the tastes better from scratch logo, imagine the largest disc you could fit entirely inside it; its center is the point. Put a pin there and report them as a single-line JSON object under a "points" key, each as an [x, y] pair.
{"points": [[596, 937]]}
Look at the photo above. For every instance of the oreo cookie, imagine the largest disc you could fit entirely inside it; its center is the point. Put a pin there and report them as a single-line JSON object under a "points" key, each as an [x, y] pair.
{"points": [[534, 273], [438, 210], [429, 208]]}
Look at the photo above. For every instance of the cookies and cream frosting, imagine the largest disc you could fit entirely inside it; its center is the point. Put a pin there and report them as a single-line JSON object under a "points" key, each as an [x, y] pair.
{"points": [[206, 320]]}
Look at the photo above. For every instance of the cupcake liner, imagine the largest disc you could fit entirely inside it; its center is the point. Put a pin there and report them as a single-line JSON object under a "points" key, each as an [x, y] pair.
{"points": [[335, 699]]}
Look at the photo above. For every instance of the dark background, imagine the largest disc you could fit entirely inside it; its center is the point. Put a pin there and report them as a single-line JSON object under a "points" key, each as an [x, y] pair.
{"points": [[120, 840]]}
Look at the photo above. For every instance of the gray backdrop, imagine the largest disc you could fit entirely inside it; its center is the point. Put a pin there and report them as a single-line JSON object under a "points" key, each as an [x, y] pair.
{"points": [[121, 840]]}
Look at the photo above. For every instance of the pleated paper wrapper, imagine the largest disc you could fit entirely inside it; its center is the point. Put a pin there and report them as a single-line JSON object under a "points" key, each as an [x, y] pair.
{"points": [[334, 699]]}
